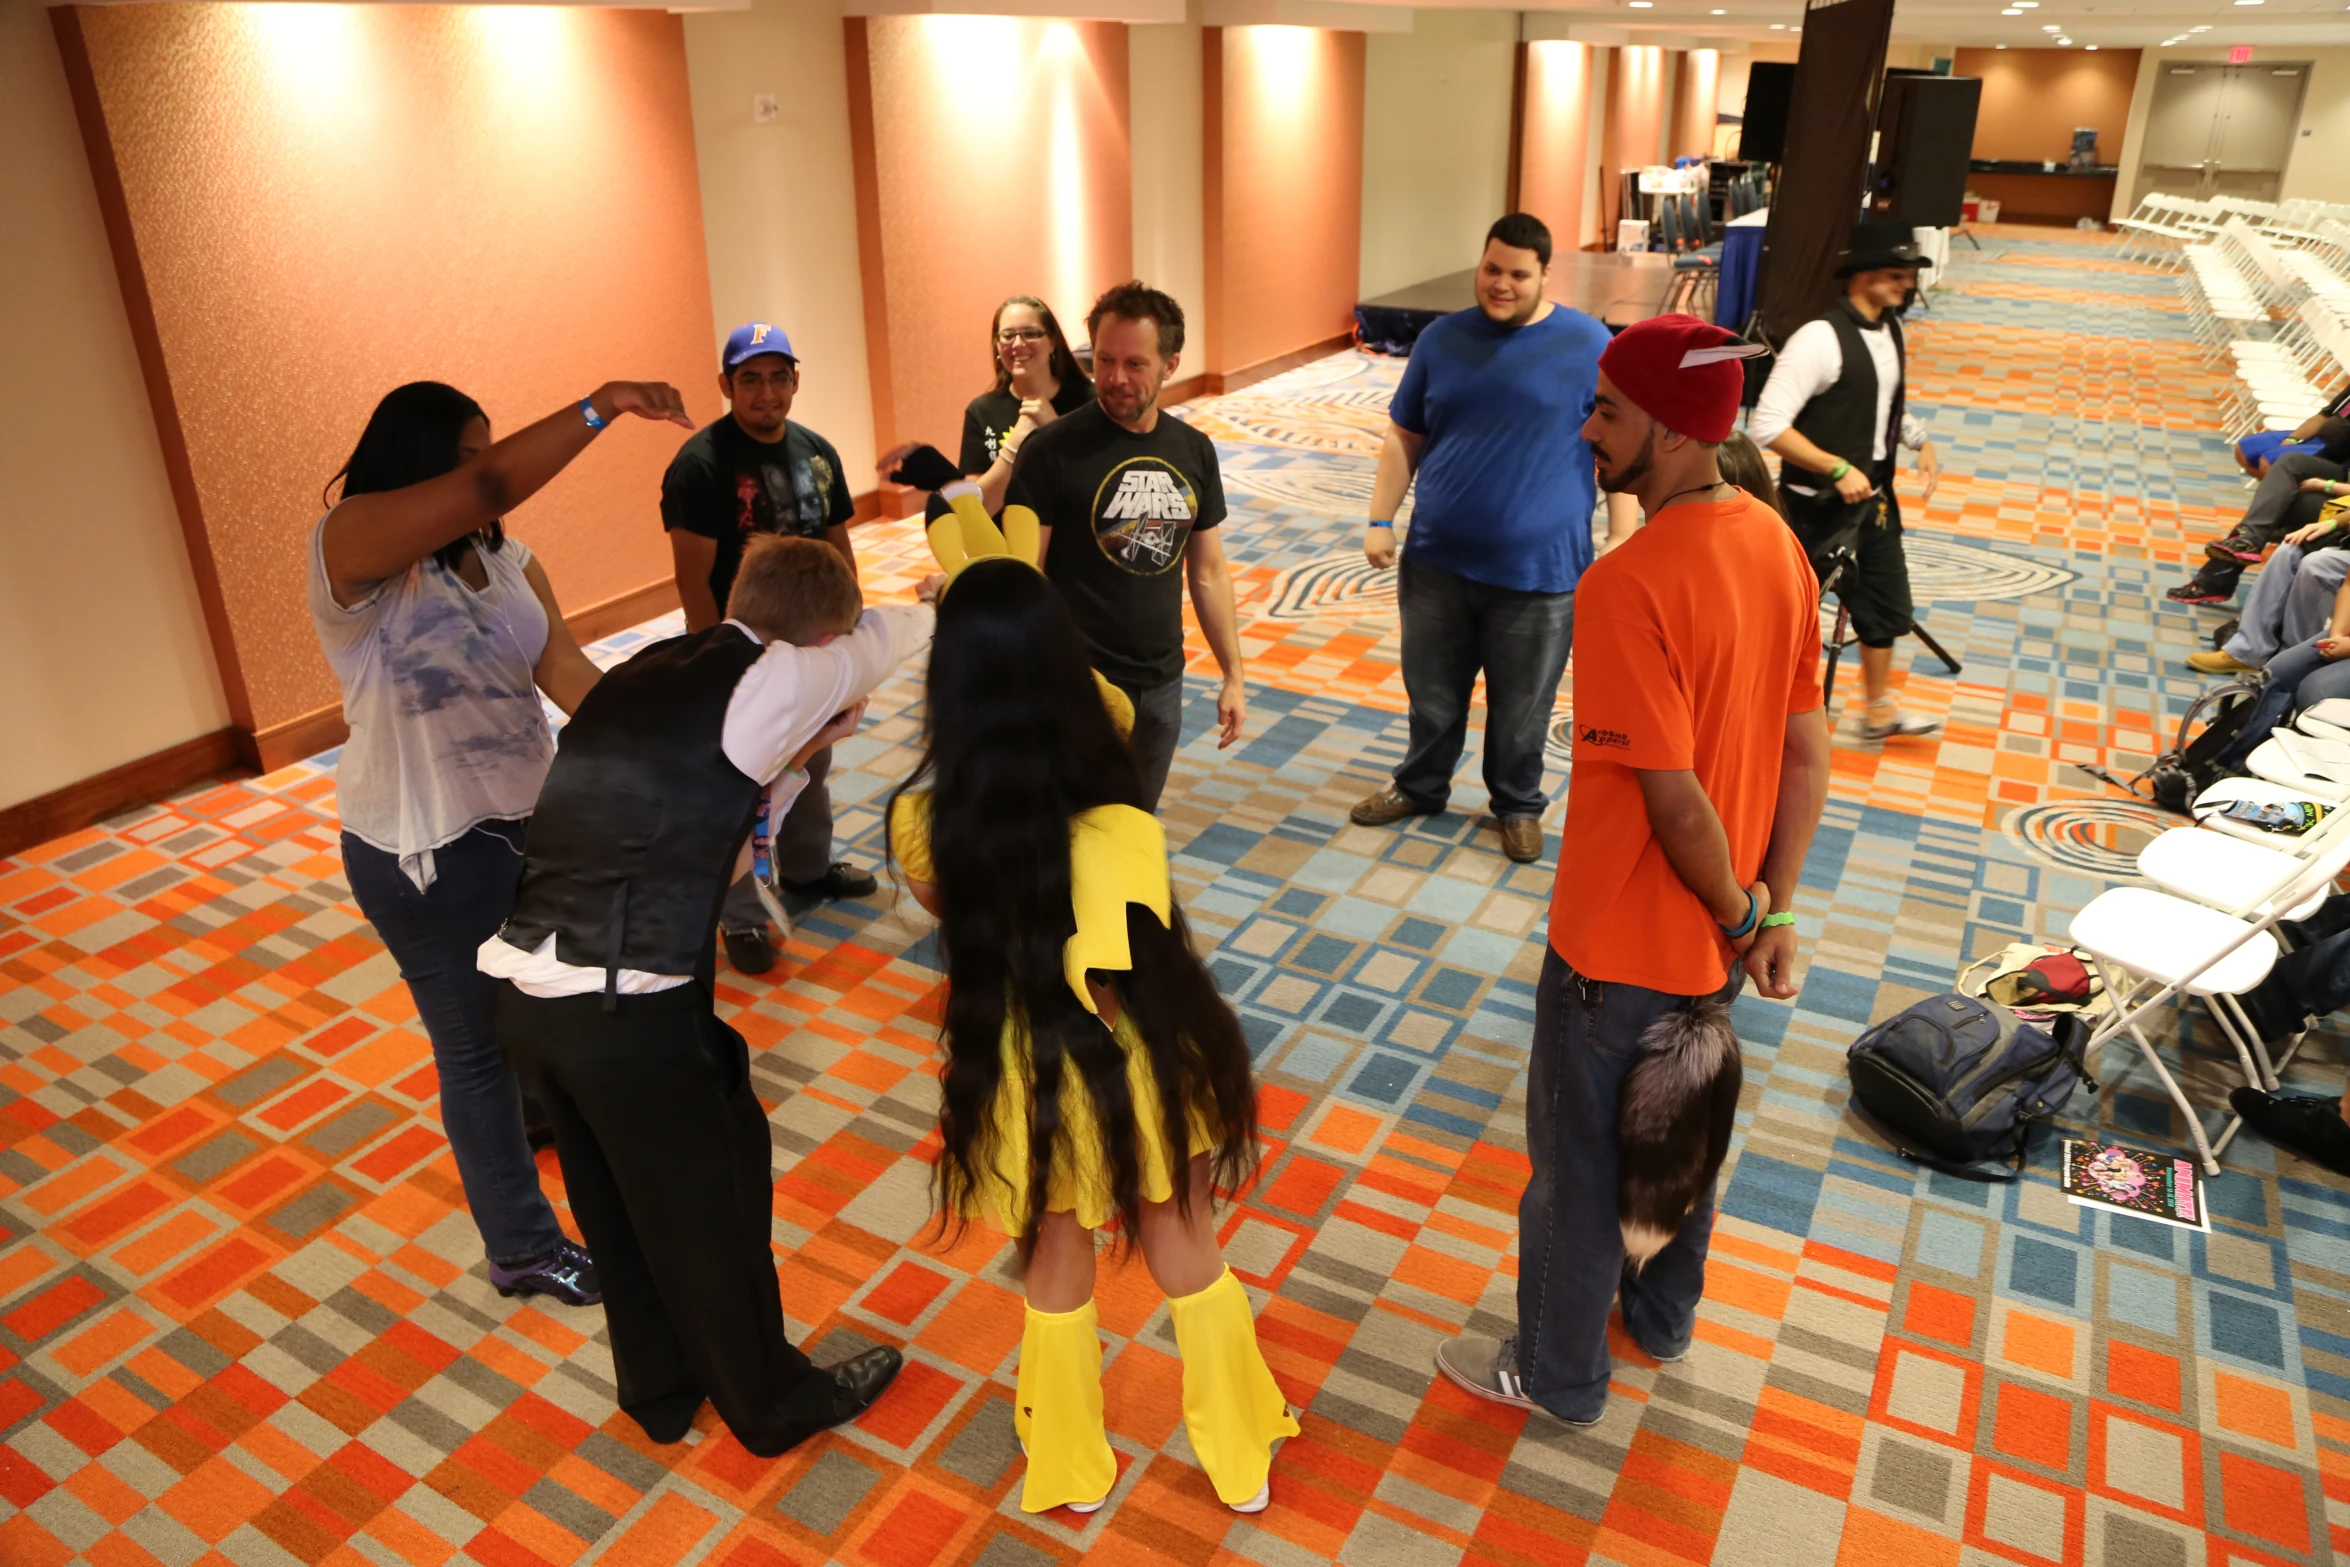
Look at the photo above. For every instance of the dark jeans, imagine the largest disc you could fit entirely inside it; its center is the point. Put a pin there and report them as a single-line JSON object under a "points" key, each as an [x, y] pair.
{"points": [[800, 845], [2298, 677], [2309, 981], [670, 1171], [2278, 507], [1570, 1244], [434, 936], [1158, 730], [1452, 628]]}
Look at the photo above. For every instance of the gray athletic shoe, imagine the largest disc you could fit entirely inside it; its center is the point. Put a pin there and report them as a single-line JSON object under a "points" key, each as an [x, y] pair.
{"points": [[1897, 726], [1488, 1368]]}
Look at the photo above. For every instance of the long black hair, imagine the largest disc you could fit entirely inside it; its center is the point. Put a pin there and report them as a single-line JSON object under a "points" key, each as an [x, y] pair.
{"points": [[1063, 362], [1017, 744], [412, 436]]}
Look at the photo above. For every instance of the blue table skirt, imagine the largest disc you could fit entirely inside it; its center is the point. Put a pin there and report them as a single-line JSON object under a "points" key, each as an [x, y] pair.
{"points": [[1741, 260]]}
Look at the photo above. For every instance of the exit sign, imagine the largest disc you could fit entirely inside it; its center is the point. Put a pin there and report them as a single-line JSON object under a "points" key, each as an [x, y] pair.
{"points": [[2240, 54]]}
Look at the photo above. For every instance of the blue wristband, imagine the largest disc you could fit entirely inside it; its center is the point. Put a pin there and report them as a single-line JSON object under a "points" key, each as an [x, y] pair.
{"points": [[1375, 523], [587, 409], [1753, 913]]}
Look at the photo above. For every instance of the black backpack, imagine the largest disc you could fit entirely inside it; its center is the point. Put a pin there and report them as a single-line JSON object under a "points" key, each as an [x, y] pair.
{"points": [[2192, 763], [1956, 1082]]}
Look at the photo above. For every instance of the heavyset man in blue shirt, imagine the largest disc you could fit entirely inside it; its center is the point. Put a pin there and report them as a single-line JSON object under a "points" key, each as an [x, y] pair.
{"points": [[1489, 418]]}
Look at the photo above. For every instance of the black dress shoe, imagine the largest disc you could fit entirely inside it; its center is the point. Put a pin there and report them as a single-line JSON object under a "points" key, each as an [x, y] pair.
{"points": [[860, 1379], [2299, 1123], [843, 880], [749, 951]]}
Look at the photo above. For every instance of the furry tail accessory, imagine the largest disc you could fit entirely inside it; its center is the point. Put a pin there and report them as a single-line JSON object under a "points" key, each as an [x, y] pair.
{"points": [[1673, 1121]]}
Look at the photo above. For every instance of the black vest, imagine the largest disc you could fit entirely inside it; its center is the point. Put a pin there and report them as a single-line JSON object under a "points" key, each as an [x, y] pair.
{"points": [[1839, 419], [634, 840]]}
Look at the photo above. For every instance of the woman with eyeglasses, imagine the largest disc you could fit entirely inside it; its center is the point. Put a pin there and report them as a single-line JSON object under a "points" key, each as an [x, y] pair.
{"points": [[1037, 379]]}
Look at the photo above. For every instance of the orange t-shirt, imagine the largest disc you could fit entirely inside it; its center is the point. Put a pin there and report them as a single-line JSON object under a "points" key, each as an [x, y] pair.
{"points": [[1694, 642]]}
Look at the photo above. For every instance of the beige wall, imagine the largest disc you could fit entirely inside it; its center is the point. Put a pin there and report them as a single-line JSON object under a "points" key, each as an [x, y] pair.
{"points": [[1164, 101], [2317, 170], [100, 629], [1436, 143], [779, 207]]}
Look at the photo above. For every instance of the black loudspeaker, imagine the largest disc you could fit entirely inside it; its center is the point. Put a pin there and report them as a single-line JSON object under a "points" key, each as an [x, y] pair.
{"points": [[1762, 126], [1925, 137]]}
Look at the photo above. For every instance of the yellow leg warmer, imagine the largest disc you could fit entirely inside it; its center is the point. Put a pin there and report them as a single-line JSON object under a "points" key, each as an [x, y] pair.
{"points": [[1059, 1413], [1231, 1405]]}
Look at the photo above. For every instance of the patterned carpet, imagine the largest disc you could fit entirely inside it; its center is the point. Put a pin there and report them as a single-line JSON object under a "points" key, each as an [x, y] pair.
{"points": [[243, 1317]]}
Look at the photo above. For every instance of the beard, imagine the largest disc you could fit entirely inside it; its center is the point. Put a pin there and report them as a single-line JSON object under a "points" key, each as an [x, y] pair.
{"points": [[1127, 402], [1633, 472]]}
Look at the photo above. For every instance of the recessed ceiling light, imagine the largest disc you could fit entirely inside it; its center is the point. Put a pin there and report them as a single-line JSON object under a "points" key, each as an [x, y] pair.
{"points": [[1999, 46], [1643, 5], [2011, 11], [1778, 27], [2205, 28], [1717, 13], [2092, 48]]}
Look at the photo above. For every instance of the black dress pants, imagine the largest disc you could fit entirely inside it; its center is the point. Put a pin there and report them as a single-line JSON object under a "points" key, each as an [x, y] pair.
{"points": [[670, 1171]]}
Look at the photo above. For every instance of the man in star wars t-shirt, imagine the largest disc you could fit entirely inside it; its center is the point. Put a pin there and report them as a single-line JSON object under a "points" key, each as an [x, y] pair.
{"points": [[1125, 494]]}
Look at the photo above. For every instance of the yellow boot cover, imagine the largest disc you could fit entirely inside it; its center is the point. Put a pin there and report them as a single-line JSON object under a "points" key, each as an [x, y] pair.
{"points": [[1059, 1413], [1231, 1405]]}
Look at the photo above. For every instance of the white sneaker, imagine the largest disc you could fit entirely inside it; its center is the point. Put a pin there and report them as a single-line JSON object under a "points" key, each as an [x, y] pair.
{"points": [[1259, 1502], [1095, 1507]]}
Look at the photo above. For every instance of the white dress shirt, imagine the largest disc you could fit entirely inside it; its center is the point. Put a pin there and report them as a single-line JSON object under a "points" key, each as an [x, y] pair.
{"points": [[1813, 361], [777, 707]]}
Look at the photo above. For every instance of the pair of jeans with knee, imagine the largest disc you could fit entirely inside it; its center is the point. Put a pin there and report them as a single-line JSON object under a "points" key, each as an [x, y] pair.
{"points": [[2292, 600], [434, 936], [1587, 1038], [2299, 677], [1454, 627]]}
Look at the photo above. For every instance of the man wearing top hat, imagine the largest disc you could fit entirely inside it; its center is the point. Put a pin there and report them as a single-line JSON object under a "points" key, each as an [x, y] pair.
{"points": [[1834, 411]]}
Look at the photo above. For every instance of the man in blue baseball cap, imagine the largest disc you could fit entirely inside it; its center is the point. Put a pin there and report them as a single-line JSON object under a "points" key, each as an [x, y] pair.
{"points": [[755, 471]]}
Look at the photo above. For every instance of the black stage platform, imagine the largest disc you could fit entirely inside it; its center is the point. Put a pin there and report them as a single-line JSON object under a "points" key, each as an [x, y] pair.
{"points": [[1618, 287]]}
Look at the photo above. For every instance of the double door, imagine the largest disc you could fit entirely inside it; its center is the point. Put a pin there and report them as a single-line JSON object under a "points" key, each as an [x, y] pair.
{"points": [[2221, 130]]}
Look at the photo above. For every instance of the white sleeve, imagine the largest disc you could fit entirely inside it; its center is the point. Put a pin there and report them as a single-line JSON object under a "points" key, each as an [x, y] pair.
{"points": [[1806, 367], [1913, 429], [792, 692]]}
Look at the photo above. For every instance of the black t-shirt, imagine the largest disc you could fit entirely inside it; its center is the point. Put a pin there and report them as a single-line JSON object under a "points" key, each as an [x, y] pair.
{"points": [[991, 415], [1122, 507], [724, 485]]}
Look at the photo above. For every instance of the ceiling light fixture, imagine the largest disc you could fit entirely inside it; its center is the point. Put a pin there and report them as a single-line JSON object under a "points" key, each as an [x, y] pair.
{"points": [[2092, 48], [2205, 28]]}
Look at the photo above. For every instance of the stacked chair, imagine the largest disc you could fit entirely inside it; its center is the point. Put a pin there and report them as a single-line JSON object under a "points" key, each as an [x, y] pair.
{"points": [[1697, 255], [2206, 929]]}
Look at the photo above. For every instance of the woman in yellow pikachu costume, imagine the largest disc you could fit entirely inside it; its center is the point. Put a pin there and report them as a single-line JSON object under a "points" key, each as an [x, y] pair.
{"points": [[1092, 1071]]}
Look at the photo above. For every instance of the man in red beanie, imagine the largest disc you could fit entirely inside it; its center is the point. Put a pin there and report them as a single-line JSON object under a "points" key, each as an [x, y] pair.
{"points": [[1700, 766]]}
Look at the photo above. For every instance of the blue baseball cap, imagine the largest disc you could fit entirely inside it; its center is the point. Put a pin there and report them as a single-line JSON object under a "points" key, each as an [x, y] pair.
{"points": [[749, 342]]}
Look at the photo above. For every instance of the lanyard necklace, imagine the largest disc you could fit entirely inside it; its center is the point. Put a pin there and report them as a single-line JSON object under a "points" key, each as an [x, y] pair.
{"points": [[1696, 490]]}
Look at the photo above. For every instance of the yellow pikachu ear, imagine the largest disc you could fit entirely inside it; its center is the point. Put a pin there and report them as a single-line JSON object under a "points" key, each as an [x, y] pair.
{"points": [[980, 536], [946, 542], [1021, 533]]}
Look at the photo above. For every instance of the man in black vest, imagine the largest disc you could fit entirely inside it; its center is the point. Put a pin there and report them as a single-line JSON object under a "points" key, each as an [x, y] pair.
{"points": [[1834, 411], [609, 964]]}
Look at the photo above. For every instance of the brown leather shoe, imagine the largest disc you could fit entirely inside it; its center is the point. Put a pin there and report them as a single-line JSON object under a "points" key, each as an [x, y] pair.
{"points": [[1385, 808], [1521, 838]]}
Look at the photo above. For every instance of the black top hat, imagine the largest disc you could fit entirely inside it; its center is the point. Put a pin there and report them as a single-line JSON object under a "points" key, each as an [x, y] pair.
{"points": [[1875, 245]]}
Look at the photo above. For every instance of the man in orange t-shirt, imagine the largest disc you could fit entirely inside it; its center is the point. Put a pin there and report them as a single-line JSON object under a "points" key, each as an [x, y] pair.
{"points": [[1700, 766]]}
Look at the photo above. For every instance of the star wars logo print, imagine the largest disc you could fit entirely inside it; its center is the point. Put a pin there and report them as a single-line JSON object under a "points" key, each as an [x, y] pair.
{"points": [[1143, 514]]}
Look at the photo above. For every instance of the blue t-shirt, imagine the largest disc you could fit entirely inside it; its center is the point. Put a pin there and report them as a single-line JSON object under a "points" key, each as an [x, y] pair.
{"points": [[1505, 480]]}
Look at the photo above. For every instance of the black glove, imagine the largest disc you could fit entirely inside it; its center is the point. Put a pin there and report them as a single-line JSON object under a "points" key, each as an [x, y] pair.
{"points": [[925, 468]]}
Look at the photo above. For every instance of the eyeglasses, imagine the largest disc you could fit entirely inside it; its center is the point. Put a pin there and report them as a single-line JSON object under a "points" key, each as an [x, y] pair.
{"points": [[1020, 334]]}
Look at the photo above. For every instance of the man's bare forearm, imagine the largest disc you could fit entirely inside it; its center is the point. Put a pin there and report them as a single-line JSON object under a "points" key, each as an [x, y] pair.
{"points": [[1803, 792], [1690, 832]]}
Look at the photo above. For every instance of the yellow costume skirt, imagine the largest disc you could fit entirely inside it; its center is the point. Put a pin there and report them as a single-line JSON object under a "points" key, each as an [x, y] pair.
{"points": [[1079, 1181]]}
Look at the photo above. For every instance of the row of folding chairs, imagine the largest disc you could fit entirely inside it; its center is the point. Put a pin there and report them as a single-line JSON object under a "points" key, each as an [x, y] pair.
{"points": [[2206, 928], [2162, 226], [2282, 380], [1748, 192]]}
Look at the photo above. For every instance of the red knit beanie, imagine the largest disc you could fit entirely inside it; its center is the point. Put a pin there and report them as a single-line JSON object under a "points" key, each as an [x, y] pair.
{"points": [[1681, 372]]}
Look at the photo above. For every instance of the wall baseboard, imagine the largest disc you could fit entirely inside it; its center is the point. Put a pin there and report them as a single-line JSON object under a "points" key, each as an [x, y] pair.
{"points": [[233, 750], [118, 789], [1221, 381]]}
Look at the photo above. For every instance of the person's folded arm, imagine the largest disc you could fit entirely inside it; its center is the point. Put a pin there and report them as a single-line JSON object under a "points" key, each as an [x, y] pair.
{"points": [[791, 693], [1690, 832]]}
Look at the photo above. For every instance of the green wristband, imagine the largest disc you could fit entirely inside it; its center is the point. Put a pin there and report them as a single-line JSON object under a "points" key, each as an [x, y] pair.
{"points": [[1768, 920], [1839, 471]]}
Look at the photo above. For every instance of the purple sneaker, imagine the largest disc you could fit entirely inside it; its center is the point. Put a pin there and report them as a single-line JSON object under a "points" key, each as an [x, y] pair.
{"points": [[568, 1273]]}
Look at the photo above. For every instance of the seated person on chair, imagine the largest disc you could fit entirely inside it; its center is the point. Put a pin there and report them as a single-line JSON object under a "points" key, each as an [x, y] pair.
{"points": [[2307, 982], [2292, 600], [1834, 411], [2300, 677], [2257, 452], [2264, 521]]}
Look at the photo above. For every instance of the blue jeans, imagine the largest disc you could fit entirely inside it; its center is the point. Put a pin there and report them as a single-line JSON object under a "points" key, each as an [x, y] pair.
{"points": [[1570, 1243], [1452, 628], [2291, 600], [434, 936], [1158, 730], [2298, 677]]}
